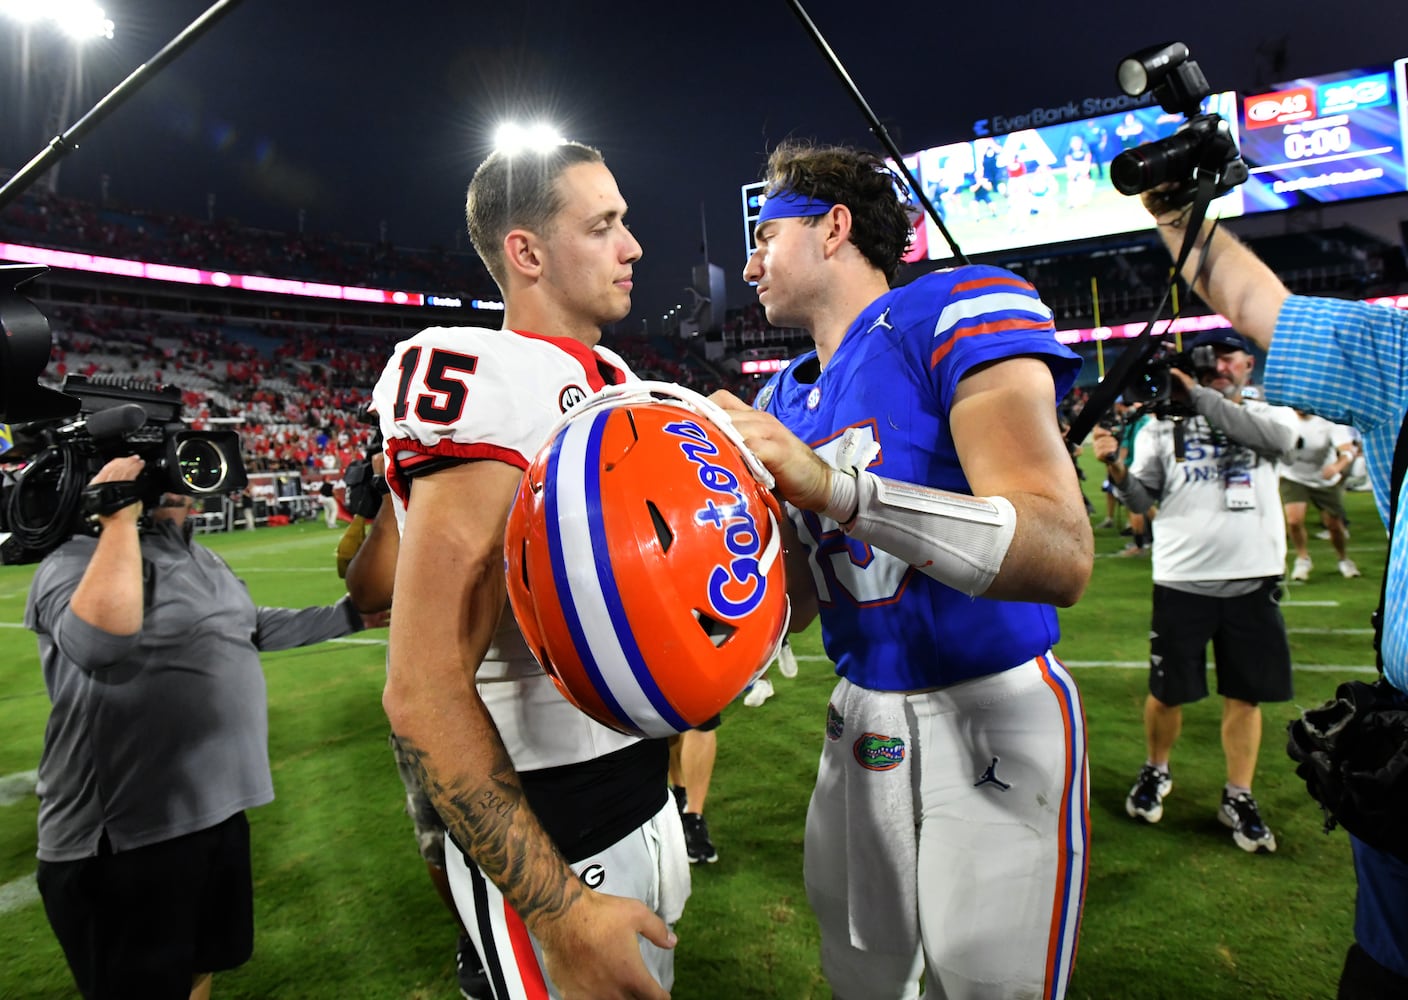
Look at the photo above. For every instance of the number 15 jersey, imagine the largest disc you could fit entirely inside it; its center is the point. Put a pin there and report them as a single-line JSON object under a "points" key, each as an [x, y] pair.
{"points": [[453, 394]]}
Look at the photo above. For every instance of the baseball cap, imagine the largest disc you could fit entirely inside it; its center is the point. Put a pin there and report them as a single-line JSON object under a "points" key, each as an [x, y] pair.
{"points": [[1226, 337]]}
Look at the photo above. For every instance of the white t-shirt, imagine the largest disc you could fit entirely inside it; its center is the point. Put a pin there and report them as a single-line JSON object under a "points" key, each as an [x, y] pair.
{"points": [[472, 393], [1220, 515], [1317, 445]]}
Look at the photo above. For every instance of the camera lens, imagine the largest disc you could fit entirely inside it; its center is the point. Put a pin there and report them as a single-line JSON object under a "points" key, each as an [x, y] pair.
{"points": [[203, 467], [1143, 167]]}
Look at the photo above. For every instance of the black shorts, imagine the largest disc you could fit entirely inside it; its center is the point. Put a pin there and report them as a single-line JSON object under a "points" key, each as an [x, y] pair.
{"points": [[710, 724], [1248, 638], [144, 923]]}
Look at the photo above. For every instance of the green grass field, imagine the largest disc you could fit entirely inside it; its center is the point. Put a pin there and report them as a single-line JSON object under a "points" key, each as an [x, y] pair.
{"points": [[343, 908]]}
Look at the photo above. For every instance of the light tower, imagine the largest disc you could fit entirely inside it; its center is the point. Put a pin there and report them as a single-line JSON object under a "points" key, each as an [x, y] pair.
{"points": [[76, 22]]}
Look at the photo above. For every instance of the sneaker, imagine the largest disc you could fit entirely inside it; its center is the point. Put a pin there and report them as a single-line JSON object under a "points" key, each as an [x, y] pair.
{"points": [[696, 839], [787, 660], [1243, 816], [759, 692], [681, 797], [1323, 534], [1134, 550], [1107, 523], [473, 981], [1348, 570], [1146, 799], [1302, 568], [1126, 531]]}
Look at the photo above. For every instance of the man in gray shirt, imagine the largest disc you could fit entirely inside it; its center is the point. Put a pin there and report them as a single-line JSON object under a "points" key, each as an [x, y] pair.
{"points": [[156, 745]]}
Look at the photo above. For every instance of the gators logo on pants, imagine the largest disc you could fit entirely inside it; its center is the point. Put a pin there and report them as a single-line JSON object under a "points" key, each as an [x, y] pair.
{"points": [[879, 753]]}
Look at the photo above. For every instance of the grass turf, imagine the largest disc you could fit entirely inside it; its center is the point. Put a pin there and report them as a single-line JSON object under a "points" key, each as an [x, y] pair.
{"points": [[343, 908]]}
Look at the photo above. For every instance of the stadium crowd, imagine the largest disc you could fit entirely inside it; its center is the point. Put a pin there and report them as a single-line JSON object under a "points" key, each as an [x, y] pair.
{"points": [[297, 390]]}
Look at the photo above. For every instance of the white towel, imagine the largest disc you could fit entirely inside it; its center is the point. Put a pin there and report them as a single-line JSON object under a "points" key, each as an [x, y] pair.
{"points": [[674, 863], [882, 849]]}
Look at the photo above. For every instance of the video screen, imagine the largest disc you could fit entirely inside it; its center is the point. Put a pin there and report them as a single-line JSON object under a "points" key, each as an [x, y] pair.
{"points": [[1323, 139], [1045, 185]]}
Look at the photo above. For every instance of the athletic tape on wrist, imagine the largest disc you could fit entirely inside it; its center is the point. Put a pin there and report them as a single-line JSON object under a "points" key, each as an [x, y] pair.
{"points": [[958, 540]]}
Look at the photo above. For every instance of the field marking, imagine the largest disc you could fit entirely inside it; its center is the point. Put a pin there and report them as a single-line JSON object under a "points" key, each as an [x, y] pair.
{"points": [[359, 642], [18, 894], [1144, 665], [1330, 631], [17, 787], [286, 569], [1310, 604], [1315, 668]]}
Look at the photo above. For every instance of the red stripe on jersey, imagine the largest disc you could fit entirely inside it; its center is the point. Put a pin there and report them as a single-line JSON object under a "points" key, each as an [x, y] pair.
{"points": [[525, 959], [999, 326], [590, 361], [1066, 893], [450, 449], [979, 284], [401, 467]]}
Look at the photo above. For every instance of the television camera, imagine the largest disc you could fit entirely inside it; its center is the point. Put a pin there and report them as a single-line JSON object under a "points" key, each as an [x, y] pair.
{"points": [[1193, 166], [64, 437], [1203, 144]]}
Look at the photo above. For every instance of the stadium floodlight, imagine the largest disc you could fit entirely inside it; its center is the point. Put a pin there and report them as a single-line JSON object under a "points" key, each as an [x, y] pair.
{"points": [[79, 19], [513, 138]]}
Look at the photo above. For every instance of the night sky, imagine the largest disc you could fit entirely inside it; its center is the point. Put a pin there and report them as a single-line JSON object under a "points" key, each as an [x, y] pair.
{"points": [[362, 113]]}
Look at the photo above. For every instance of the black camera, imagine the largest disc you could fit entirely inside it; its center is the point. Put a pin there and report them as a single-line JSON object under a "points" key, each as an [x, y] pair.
{"points": [[364, 487], [63, 438], [1203, 144], [1152, 385]]}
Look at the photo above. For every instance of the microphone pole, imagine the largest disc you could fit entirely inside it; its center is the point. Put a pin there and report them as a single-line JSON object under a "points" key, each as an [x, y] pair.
{"points": [[876, 129], [67, 142]]}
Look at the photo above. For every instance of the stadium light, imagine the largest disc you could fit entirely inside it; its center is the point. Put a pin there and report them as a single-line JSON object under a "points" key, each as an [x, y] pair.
{"points": [[513, 138], [79, 19]]}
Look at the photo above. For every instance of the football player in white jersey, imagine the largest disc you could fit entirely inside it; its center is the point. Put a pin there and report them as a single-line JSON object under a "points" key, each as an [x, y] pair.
{"points": [[570, 863]]}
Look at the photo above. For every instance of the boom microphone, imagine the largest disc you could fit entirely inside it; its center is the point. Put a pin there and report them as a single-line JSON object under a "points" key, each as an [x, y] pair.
{"points": [[116, 421]]}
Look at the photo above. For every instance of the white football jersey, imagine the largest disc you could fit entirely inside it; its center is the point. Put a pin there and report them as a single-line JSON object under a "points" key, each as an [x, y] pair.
{"points": [[472, 393], [1317, 445]]}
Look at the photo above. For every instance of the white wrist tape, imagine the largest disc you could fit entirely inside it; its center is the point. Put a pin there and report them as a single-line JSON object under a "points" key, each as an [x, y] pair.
{"points": [[958, 540]]}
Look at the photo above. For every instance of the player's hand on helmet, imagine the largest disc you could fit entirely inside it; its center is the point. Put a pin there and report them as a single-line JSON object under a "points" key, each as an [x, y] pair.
{"points": [[124, 469], [803, 477], [592, 951]]}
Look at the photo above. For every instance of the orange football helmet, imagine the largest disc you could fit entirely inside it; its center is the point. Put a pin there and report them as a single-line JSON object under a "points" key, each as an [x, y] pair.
{"points": [[643, 560]]}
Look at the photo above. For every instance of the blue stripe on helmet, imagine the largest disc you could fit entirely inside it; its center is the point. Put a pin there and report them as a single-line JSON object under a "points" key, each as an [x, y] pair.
{"points": [[606, 578], [564, 587]]}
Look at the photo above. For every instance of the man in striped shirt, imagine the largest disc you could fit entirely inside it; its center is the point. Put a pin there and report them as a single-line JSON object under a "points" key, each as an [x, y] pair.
{"points": [[1348, 362]]}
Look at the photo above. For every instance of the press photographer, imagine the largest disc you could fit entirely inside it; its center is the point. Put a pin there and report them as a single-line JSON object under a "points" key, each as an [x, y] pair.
{"points": [[157, 742], [156, 745], [1218, 556]]}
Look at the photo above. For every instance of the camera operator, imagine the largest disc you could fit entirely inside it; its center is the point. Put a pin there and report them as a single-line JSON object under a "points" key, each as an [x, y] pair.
{"points": [[156, 746], [1218, 557], [1348, 362]]}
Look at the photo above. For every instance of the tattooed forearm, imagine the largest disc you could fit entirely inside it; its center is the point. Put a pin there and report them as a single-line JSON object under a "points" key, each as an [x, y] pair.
{"points": [[490, 820]]}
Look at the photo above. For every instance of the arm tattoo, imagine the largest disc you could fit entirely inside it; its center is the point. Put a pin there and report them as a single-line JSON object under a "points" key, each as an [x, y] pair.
{"points": [[491, 821]]}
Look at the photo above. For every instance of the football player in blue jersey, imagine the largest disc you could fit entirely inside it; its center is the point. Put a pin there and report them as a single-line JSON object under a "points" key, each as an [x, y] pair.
{"points": [[941, 519]]}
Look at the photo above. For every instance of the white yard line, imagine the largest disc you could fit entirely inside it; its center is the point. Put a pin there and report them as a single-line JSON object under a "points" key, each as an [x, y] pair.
{"points": [[18, 894], [16, 787]]}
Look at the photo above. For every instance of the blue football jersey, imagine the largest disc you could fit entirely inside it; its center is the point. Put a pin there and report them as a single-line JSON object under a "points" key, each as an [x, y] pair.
{"points": [[886, 625]]}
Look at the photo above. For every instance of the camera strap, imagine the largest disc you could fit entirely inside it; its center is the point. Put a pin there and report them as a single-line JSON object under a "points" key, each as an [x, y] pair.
{"points": [[106, 499]]}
